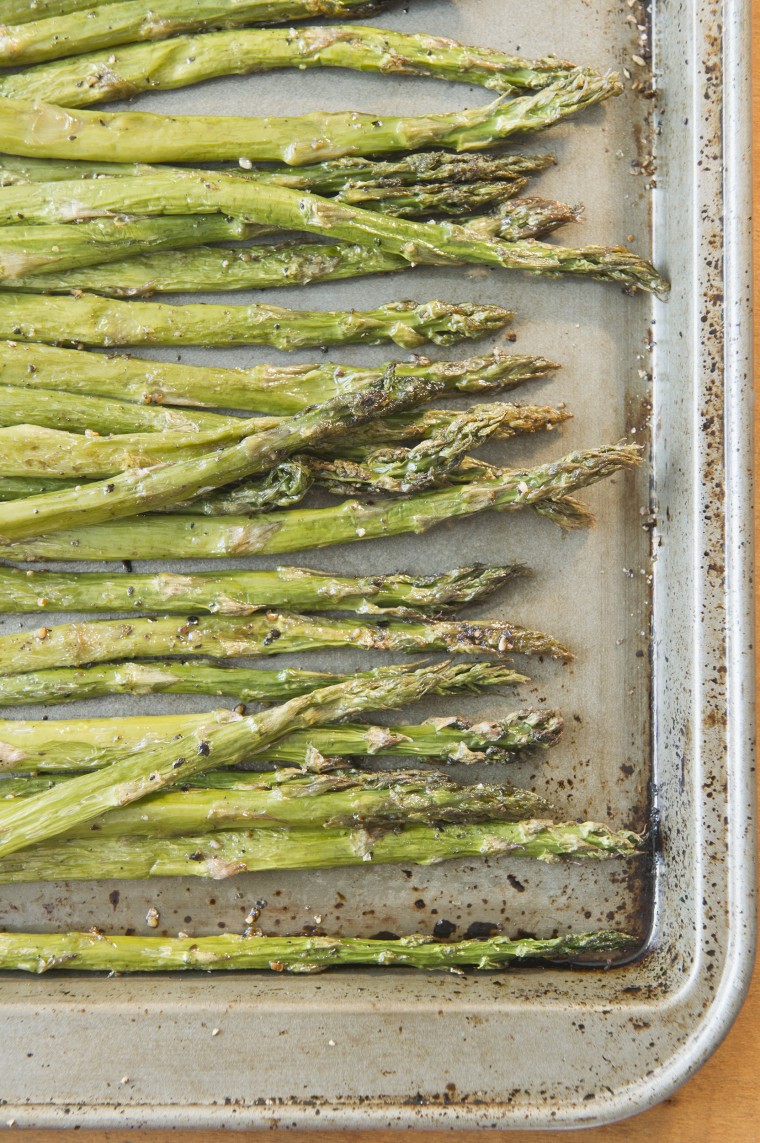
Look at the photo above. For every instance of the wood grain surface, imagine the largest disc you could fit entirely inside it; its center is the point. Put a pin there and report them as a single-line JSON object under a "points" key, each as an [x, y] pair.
{"points": [[722, 1102]]}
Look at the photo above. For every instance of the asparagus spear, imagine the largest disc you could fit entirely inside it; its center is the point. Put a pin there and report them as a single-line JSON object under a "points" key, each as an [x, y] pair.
{"points": [[244, 592], [101, 952], [229, 852], [66, 684], [527, 217], [49, 131], [23, 11], [30, 450], [80, 451], [176, 481], [24, 786], [99, 77], [62, 746], [94, 321], [435, 461], [183, 192], [80, 413], [209, 747], [278, 389], [273, 633], [424, 200], [329, 177], [217, 268], [17, 487], [283, 486], [108, 23], [183, 537], [30, 250], [332, 802], [439, 458], [53, 248]]}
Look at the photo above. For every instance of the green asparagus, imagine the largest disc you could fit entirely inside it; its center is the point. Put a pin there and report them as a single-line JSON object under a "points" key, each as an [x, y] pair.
{"points": [[437, 460], [328, 178], [94, 321], [186, 537], [80, 413], [63, 746], [272, 633], [99, 77], [176, 481], [44, 129], [330, 801], [276, 389], [218, 268], [244, 592], [436, 243], [66, 684], [65, 33], [28, 450], [30, 250], [24, 11], [215, 745], [106, 952], [229, 852], [283, 486]]}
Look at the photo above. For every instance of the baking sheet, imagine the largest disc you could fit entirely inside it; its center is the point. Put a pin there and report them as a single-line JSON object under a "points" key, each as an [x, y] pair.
{"points": [[377, 1048]]}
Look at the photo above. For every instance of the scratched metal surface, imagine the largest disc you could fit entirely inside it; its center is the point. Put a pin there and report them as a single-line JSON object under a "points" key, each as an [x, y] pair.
{"points": [[645, 701]]}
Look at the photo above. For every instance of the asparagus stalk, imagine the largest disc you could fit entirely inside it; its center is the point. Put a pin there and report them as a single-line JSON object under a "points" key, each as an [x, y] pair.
{"points": [[63, 746], [245, 592], [229, 852], [433, 462], [65, 33], [183, 537], [276, 389], [183, 192], [73, 684], [521, 218], [66, 684], [17, 487], [215, 268], [284, 485], [24, 786], [329, 801], [56, 247], [176, 481], [273, 633], [208, 747], [329, 177], [80, 413], [90, 320], [63, 454], [49, 131], [99, 77], [23, 11], [28, 450], [437, 460], [444, 200], [101, 952]]}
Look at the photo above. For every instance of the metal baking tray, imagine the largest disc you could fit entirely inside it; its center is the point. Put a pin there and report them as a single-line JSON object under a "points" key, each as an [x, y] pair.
{"points": [[656, 601]]}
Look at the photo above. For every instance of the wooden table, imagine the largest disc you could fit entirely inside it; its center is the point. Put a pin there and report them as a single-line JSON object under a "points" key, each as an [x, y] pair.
{"points": [[721, 1102]]}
